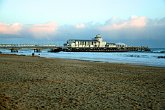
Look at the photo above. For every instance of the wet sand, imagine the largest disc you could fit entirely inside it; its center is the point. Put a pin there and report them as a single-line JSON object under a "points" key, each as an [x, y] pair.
{"points": [[41, 83]]}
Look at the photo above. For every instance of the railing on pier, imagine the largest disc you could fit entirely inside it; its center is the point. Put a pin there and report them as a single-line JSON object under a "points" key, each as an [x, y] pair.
{"points": [[25, 46]]}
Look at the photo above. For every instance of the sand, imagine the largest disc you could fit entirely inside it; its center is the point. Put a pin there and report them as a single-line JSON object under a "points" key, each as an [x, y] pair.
{"points": [[30, 83]]}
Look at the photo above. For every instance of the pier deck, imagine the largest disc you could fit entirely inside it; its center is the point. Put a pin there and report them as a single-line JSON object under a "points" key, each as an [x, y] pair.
{"points": [[53, 48], [36, 48]]}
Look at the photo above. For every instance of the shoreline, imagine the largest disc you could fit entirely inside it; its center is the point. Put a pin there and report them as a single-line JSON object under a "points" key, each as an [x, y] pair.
{"points": [[112, 62], [29, 82]]}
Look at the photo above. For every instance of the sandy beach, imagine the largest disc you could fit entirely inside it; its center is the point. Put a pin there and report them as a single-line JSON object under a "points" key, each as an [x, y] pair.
{"points": [[31, 83]]}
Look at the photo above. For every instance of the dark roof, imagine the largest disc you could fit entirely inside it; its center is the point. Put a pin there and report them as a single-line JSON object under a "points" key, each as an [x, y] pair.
{"points": [[98, 37]]}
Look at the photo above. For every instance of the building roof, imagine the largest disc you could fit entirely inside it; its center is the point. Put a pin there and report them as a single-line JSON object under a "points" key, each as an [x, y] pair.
{"points": [[111, 44], [83, 40]]}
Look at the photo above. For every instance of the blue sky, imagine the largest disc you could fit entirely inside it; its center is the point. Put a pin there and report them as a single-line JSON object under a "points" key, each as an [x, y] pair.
{"points": [[135, 22]]}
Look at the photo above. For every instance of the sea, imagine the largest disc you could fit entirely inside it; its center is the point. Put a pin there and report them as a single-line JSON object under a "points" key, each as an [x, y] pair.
{"points": [[156, 57]]}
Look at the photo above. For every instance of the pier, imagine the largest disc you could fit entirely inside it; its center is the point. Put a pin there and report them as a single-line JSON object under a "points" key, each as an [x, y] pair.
{"points": [[97, 44], [36, 48], [54, 48]]}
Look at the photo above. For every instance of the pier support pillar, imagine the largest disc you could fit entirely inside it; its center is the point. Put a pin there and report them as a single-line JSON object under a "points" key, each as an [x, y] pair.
{"points": [[14, 50], [37, 50]]}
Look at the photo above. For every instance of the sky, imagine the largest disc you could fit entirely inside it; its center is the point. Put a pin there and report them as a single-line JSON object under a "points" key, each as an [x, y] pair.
{"points": [[134, 22]]}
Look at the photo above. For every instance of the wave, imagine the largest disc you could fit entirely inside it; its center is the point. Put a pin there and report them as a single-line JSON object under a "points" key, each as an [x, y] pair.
{"points": [[138, 56], [158, 50], [161, 51]]}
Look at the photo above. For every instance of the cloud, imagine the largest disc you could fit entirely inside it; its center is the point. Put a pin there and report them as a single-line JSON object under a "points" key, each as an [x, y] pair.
{"points": [[39, 31], [133, 22], [133, 31], [80, 26], [43, 30], [10, 28]]}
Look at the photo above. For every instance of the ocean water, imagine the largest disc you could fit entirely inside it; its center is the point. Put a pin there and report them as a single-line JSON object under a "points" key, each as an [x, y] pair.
{"points": [[153, 58]]}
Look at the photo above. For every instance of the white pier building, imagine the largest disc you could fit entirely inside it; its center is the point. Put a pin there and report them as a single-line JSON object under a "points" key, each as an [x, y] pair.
{"points": [[96, 42]]}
